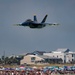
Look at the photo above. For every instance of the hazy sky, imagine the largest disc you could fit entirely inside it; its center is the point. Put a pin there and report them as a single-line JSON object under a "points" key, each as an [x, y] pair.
{"points": [[19, 40]]}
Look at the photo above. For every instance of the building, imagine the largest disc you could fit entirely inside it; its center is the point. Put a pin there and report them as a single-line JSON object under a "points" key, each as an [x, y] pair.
{"points": [[36, 53], [39, 59], [70, 57], [30, 59], [65, 54], [61, 55]]}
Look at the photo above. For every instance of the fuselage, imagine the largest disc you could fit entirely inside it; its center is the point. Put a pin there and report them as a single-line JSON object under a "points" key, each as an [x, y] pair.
{"points": [[33, 24]]}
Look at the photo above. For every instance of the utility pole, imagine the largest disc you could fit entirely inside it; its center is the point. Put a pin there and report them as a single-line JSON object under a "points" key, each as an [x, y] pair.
{"points": [[3, 58]]}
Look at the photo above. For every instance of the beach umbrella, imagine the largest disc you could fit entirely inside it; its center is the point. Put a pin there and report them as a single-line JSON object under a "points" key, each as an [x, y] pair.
{"points": [[1, 69], [17, 69], [34, 67], [29, 69]]}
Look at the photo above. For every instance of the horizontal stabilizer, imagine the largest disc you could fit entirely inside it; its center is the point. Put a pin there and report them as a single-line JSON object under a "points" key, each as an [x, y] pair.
{"points": [[52, 24]]}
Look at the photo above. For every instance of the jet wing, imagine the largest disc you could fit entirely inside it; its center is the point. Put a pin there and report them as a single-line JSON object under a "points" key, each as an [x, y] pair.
{"points": [[52, 24], [17, 24]]}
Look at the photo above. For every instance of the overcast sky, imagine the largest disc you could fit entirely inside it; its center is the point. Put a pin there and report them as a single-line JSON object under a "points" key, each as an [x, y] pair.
{"points": [[19, 40]]}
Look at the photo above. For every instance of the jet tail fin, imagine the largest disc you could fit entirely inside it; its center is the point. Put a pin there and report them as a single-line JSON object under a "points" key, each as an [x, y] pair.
{"points": [[35, 19], [43, 21]]}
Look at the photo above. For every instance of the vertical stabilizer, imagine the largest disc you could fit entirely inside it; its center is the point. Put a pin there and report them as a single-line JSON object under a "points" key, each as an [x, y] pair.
{"points": [[35, 19], [44, 19]]}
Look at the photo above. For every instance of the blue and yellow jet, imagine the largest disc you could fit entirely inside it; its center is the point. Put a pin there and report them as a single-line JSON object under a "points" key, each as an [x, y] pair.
{"points": [[35, 23]]}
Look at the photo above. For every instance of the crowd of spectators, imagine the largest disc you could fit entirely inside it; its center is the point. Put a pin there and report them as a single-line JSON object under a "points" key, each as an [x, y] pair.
{"points": [[35, 71]]}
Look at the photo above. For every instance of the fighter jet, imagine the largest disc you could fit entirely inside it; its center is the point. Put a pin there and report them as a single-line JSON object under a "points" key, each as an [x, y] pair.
{"points": [[35, 23]]}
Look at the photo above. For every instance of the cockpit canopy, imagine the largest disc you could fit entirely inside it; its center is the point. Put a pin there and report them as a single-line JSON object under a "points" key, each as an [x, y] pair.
{"points": [[28, 20]]}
